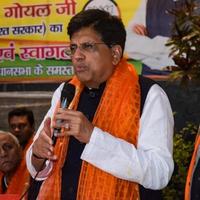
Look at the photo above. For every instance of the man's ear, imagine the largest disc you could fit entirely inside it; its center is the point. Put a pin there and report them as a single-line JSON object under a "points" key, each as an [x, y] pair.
{"points": [[116, 54]]}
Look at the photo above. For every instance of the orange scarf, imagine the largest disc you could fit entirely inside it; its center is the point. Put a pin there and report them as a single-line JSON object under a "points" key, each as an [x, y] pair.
{"points": [[20, 180], [118, 113]]}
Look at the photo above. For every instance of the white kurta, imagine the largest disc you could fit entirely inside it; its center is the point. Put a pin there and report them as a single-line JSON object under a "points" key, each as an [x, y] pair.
{"points": [[150, 164]]}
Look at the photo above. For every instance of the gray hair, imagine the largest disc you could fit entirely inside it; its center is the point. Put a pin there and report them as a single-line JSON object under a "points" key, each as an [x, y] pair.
{"points": [[11, 135]]}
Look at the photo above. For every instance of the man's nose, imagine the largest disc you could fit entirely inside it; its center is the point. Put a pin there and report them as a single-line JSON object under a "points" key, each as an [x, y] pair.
{"points": [[16, 129], [78, 54]]}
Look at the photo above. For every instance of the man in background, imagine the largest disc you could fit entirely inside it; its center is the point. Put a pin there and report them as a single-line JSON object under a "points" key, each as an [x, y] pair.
{"points": [[14, 177], [21, 124]]}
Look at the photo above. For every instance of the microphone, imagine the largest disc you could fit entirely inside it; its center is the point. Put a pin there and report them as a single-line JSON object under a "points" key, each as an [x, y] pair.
{"points": [[67, 95]]}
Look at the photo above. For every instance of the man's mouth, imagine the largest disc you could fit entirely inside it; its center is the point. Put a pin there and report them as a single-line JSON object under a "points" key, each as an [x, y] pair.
{"points": [[5, 163], [80, 68]]}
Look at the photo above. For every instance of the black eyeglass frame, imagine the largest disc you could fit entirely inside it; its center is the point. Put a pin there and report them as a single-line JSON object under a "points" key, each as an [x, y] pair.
{"points": [[84, 47]]}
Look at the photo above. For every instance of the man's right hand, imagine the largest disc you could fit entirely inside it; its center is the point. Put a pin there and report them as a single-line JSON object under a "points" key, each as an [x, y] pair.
{"points": [[43, 147]]}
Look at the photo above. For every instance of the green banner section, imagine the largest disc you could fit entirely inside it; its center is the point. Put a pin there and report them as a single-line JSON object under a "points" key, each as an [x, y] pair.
{"points": [[44, 69], [34, 69]]}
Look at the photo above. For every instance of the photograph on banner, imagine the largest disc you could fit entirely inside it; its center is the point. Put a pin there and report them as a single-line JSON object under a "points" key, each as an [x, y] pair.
{"points": [[33, 36], [149, 31]]}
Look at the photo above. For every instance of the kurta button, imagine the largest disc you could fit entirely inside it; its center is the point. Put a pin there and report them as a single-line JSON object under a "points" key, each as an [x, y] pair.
{"points": [[92, 94]]}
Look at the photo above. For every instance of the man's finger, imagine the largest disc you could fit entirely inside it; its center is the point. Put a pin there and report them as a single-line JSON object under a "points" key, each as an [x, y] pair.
{"points": [[47, 126]]}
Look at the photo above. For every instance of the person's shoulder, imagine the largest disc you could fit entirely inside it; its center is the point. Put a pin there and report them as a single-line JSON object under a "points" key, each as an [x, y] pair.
{"points": [[63, 84], [57, 93], [146, 81], [147, 84], [150, 88]]}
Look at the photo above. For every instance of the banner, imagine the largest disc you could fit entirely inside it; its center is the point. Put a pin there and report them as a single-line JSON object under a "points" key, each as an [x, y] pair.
{"points": [[33, 37]]}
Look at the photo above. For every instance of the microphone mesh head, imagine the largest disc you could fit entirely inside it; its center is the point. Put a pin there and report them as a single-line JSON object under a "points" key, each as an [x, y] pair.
{"points": [[68, 92]]}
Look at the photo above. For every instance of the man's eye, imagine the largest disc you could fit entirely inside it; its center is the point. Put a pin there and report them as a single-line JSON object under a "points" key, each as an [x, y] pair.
{"points": [[7, 147], [87, 46], [73, 47], [19, 126]]}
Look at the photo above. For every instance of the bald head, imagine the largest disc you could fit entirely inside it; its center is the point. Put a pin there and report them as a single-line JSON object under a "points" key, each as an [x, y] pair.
{"points": [[8, 134], [10, 152]]}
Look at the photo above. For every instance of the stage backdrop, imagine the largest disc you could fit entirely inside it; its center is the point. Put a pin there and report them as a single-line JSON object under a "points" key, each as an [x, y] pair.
{"points": [[33, 36]]}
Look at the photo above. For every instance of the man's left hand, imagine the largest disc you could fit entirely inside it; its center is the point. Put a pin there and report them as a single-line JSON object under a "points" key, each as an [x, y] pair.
{"points": [[73, 123]]}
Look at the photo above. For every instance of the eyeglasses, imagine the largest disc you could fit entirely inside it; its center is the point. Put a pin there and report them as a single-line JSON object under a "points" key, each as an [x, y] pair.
{"points": [[84, 47]]}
